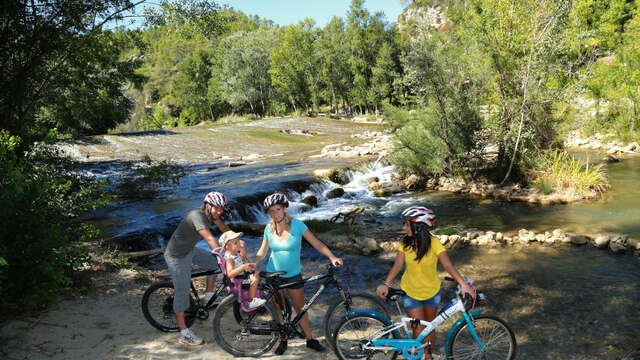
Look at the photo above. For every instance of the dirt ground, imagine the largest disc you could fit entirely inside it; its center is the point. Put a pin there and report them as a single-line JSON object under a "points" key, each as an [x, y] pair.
{"points": [[108, 324], [554, 313]]}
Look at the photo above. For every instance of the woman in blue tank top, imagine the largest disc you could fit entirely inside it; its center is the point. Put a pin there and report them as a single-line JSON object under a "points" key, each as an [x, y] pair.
{"points": [[284, 236]]}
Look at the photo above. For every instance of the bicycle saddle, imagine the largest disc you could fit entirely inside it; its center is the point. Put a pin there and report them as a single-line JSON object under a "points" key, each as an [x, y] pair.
{"points": [[395, 293]]}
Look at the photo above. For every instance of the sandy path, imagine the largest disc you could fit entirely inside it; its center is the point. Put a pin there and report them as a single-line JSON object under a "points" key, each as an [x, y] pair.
{"points": [[108, 324]]}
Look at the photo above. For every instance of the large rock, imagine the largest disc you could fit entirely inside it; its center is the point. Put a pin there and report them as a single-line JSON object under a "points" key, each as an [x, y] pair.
{"points": [[633, 244], [617, 248], [578, 239], [311, 200], [601, 241], [335, 193]]}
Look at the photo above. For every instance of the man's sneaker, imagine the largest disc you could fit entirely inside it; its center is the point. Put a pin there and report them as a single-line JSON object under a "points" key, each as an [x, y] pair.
{"points": [[256, 302], [315, 345], [190, 339]]}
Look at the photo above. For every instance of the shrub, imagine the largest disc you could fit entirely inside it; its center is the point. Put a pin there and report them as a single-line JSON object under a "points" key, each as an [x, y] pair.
{"points": [[562, 172], [42, 198]]}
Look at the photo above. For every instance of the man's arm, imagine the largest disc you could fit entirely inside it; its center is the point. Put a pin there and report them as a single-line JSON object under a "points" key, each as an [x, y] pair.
{"points": [[208, 237]]}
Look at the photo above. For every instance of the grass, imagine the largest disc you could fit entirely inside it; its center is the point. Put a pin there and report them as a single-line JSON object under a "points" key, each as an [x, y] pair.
{"points": [[563, 173]]}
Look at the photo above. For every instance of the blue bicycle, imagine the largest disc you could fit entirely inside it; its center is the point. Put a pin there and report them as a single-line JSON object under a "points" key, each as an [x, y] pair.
{"points": [[365, 334]]}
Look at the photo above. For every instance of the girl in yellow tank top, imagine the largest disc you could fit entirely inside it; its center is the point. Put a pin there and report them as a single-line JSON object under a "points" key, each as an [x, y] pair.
{"points": [[420, 251]]}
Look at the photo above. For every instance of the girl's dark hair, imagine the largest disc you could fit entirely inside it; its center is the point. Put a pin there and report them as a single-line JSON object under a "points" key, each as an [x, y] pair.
{"points": [[419, 241]]}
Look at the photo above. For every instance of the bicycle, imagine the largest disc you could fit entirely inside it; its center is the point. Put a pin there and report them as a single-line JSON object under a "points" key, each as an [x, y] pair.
{"points": [[157, 303], [366, 334], [254, 332]]}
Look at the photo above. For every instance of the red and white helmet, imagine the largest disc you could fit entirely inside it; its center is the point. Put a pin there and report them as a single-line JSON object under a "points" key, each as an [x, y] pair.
{"points": [[275, 199], [419, 214], [216, 199]]}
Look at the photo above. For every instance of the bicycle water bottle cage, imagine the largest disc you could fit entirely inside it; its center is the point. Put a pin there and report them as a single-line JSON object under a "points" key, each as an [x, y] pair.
{"points": [[404, 345]]}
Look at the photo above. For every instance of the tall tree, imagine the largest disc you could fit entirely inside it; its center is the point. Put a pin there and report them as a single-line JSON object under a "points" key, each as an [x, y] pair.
{"points": [[245, 70], [332, 51], [294, 69], [41, 40]]}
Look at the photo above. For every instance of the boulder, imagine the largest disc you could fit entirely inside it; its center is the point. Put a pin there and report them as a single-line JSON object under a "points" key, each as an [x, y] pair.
{"points": [[335, 193], [444, 239], [559, 233], [382, 193], [499, 237], [611, 159], [617, 248], [633, 244], [601, 241], [369, 246], [578, 239], [375, 186], [311, 200]]}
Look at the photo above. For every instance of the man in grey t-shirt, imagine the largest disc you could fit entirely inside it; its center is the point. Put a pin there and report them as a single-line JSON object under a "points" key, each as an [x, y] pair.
{"points": [[181, 253]]}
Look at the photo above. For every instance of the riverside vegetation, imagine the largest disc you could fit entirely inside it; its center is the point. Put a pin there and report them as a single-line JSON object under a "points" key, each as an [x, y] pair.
{"points": [[464, 91]]}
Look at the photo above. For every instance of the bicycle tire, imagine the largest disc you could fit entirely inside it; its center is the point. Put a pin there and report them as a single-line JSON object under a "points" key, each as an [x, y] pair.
{"points": [[359, 301], [495, 335], [157, 307], [232, 333], [351, 333]]}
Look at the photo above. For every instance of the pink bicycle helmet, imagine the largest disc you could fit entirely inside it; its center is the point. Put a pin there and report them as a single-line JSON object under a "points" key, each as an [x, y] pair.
{"points": [[275, 199], [420, 214], [216, 199]]}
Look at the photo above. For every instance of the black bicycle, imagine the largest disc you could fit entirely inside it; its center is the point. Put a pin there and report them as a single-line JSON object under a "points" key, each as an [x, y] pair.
{"points": [[255, 332], [157, 303]]}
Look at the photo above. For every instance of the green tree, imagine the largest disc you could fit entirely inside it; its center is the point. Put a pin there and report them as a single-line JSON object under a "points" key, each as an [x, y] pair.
{"points": [[42, 42], [366, 33], [523, 57], [190, 86], [42, 201], [245, 70], [383, 75], [332, 52], [294, 69], [440, 134]]}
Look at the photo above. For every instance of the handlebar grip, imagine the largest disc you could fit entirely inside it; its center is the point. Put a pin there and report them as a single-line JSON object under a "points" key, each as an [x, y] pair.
{"points": [[449, 278]]}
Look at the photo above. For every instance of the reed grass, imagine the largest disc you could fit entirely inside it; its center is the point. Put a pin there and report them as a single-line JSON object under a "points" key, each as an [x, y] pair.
{"points": [[561, 172]]}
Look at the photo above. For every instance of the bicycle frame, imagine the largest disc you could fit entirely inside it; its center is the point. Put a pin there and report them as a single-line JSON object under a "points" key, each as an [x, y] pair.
{"points": [[328, 278], [415, 346]]}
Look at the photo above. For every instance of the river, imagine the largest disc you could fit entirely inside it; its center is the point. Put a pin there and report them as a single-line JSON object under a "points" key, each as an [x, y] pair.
{"points": [[563, 302]]}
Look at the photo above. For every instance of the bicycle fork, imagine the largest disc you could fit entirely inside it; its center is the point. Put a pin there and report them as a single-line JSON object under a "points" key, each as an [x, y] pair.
{"points": [[472, 330]]}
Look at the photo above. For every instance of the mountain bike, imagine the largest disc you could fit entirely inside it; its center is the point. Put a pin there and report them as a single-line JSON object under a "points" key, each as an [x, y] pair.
{"points": [[254, 332], [157, 303], [366, 334]]}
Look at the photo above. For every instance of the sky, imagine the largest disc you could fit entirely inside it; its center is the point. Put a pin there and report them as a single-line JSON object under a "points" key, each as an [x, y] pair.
{"points": [[286, 12]]}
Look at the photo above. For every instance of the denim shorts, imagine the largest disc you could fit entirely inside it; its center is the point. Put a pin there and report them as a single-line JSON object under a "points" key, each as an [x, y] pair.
{"points": [[410, 303]]}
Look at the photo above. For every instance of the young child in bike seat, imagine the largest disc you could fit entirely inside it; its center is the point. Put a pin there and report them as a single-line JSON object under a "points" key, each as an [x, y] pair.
{"points": [[235, 258]]}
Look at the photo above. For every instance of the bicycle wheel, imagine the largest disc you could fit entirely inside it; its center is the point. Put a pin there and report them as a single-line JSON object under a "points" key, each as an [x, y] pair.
{"points": [[244, 334], [353, 332], [493, 332], [157, 307], [359, 301]]}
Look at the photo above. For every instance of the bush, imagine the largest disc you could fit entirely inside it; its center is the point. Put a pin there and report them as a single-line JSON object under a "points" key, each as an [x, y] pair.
{"points": [[562, 172], [42, 199]]}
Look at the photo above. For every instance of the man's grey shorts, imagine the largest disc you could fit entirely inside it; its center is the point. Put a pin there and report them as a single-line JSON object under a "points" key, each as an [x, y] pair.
{"points": [[180, 270]]}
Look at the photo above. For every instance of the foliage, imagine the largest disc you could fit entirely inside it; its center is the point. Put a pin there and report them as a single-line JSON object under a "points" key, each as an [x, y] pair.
{"points": [[58, 68], [563, 173], [438, 135], [40, 229], [147, 177], [293, 66], [245, 70]]}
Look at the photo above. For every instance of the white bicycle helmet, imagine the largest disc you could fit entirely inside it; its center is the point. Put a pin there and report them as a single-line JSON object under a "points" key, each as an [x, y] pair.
{"points": [[419, 214], [216, 199], [275, 199]]}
